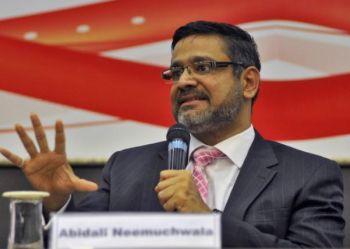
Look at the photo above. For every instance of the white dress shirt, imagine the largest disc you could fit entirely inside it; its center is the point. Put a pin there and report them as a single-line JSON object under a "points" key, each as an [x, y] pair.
{"points": [[223, 172]]}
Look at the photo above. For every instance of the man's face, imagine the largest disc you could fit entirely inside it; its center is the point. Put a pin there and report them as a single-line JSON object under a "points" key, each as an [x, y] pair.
{"points": [[205, 103]]}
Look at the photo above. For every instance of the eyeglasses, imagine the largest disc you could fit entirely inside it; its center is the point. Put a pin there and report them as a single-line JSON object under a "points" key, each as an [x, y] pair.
{"points": [[199, 67]]}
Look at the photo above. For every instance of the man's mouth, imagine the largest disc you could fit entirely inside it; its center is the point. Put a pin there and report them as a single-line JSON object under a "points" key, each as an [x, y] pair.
{"points": [[190, 99]]}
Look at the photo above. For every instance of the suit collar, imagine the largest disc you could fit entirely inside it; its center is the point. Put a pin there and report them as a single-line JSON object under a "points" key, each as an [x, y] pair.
{"points": [[150, 200], [256, 173], [163, 154]]}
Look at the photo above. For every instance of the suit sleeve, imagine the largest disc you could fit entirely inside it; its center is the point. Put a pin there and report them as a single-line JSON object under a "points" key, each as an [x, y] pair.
{"points": [[100, 199], [316, 218]]}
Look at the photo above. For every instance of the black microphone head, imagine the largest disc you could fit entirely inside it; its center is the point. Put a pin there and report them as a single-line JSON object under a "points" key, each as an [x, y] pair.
{"points": [[178, 131]]}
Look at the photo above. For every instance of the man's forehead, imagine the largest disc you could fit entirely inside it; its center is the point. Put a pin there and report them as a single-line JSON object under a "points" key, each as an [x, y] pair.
{"points": [[199, 47], [200, 38]]}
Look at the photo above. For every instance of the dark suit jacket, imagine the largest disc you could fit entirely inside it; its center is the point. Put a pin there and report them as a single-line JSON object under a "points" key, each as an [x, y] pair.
{"points": [[282, 197]]}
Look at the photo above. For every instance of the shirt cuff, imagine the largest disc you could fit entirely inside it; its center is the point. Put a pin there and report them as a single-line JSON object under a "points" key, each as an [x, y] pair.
{"points": [[48, 224]]}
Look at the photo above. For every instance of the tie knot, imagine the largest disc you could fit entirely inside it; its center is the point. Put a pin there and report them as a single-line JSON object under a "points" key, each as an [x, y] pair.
{"points": [[205, 155]]}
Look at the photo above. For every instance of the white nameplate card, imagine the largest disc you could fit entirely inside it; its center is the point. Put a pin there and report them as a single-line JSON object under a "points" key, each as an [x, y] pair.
{"points": [[135, 230]]}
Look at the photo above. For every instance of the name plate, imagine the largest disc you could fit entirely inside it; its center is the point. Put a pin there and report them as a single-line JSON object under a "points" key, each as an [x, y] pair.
{"points": [[135, 230]]}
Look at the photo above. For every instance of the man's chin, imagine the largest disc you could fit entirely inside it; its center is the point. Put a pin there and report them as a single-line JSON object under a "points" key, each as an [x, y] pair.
{"points": [[189, 114], [194, 121]]}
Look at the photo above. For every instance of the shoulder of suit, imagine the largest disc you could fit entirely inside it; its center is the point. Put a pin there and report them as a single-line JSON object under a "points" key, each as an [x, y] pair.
{"points": [[147, 148], [296, 156]]}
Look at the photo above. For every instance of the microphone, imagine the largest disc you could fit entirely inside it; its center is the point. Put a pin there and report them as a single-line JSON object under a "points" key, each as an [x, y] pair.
{"points": [[178, 138]]}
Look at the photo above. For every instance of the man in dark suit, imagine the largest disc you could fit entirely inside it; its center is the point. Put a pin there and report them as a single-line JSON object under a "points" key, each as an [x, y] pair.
{"points": [[270, 195]]}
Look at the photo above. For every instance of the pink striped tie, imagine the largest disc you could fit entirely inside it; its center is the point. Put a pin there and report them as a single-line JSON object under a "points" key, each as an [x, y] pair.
{"points": [[202, 157]]}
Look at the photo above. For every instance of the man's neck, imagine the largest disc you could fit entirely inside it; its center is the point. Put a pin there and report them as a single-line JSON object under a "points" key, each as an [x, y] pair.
{"points": [[214, 137]]}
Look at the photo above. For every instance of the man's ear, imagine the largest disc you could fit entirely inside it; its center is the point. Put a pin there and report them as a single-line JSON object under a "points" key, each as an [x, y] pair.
{"points": [[250, 78]]}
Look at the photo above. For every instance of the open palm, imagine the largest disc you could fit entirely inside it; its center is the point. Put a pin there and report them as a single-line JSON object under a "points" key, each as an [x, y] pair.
{"points": [[48, 170]]}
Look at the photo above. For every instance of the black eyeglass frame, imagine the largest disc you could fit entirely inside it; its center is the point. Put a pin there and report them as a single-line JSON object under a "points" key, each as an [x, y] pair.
{"points": [[166, 75]]}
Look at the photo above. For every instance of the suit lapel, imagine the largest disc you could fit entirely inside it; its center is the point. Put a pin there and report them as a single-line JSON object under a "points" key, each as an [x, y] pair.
{"points": [[150, 200], [256, 173]]}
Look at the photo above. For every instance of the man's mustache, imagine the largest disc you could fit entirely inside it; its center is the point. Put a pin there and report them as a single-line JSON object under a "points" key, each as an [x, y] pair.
{"points": [[192, 93]]}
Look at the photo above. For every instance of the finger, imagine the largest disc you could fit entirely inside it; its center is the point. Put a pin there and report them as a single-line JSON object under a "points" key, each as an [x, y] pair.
{"points": [[166, 194], [170, 205], [39, 133], [26, 141], [60, 141], [163, 184], [165, 174], [84, 185], [13, 158]]}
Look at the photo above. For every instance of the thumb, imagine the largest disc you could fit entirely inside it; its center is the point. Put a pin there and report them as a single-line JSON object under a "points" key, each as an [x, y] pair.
{"points": [[84, 185]]}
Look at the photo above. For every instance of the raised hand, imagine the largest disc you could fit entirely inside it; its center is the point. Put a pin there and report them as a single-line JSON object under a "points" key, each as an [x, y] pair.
{"points": [[48, 170]]}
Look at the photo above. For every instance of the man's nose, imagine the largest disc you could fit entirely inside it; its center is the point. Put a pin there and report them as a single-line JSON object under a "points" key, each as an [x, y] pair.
{"points": [[187, 78]]}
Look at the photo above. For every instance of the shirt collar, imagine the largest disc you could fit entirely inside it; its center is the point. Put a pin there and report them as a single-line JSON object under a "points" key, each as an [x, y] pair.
{"points": [[235, 148]]}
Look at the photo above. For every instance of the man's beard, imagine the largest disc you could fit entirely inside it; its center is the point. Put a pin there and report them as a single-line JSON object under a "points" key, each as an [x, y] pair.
{"points": [[212, 118]]}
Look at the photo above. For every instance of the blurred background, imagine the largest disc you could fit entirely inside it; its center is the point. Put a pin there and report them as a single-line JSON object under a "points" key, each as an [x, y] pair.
{"points": [[96, 65]]}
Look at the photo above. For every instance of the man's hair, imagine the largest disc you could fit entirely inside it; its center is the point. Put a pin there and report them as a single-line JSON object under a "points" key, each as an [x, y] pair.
{"points": [[241, 46]]}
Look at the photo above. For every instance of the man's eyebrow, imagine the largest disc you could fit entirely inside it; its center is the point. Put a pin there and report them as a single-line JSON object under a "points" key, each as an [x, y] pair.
{"points": [[201, 58], [192, 59]]}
